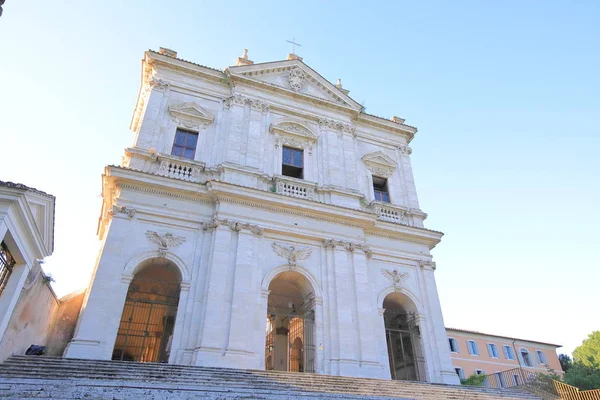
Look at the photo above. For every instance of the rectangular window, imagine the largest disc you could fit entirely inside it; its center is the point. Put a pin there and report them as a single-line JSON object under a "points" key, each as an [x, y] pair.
{"points": [[501, 379], [380, 187], [516, 379], [185, 144], [453, 345], [508, 353], [493, 350], [460, 372], [541, 357], [479, 372], [472, 346], [293, 163]]}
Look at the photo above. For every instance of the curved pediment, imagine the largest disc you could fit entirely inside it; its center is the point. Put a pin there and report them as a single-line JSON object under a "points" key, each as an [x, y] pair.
{"points": [[380, 163]]}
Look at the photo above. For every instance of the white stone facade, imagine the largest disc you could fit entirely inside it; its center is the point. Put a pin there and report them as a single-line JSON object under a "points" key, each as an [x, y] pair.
{"points": [[224, 210]]}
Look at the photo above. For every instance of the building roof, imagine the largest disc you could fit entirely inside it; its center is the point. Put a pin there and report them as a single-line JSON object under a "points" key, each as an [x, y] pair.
{"points": [[26, 188], [278, 61], [501, 336]]}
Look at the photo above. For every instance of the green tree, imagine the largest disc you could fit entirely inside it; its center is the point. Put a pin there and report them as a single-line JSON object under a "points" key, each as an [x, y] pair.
{"points": [[565, 362], [589, 351], [583, 376], [474, 380]]}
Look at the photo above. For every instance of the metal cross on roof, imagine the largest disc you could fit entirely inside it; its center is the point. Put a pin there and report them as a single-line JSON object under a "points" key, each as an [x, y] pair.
{"points": [[294, 44]]}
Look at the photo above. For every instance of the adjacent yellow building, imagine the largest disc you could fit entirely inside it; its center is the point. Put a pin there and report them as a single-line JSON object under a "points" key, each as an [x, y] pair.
{"points": [[481, 353]]}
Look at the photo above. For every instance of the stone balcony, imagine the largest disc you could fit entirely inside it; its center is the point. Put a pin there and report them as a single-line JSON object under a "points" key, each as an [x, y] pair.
{"points": [[164, 165], [180, 168], [391, 213], [293, 187]]}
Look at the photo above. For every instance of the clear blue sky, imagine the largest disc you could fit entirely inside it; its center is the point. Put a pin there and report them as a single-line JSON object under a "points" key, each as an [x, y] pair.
{"points": [[506, 96]]}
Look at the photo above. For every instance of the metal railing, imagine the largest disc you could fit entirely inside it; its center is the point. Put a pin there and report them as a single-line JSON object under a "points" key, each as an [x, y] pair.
{"points": [[538, 383]]}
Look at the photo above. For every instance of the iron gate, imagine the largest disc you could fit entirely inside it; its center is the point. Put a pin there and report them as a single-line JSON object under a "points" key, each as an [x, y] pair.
{"points": [[404, 346], [147, 322], [7, 262], [296, 322]]}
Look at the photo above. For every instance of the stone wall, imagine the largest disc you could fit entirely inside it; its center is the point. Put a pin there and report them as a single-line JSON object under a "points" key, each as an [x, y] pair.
{"points": [[32, 318], [64, 323]]}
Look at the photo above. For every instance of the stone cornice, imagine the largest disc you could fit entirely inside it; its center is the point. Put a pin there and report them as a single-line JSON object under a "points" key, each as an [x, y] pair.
{"points": [[215, 191]]}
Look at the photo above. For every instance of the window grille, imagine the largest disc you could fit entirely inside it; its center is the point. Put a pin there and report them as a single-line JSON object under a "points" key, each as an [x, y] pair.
{"points": [[7, 262]]}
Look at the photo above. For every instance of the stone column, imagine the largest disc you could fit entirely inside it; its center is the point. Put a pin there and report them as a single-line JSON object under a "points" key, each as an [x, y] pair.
{"points": [[254, 144], [192, 307], [349, 347], [333, 343], [100, 317], [237, 126], [444, 370], [260, 345], [214, 314], [382, 345], [364, 309], [177, 343], [245, 301]]}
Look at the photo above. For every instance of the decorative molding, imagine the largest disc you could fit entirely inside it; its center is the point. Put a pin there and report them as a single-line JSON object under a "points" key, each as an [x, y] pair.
{"points": [[130, 212], [292, 254], [190, 115], [337, 125], [233, 225], [165, 193], [254, 104], [164, 242], [405, 149], [154, 82], [294, 134], [297, 79], [348, 246], [396, 277], [427, 264], [379, 164]]}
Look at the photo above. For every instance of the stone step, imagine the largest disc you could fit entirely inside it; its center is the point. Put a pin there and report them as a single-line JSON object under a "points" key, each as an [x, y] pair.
{"points": [[374, 390], [158, 370], [52, 377]]}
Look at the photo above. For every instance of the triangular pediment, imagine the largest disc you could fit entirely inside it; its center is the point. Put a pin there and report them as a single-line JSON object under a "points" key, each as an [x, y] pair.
{"points": [[294, 128], [295, 77], [191, 110], [380, 163]]}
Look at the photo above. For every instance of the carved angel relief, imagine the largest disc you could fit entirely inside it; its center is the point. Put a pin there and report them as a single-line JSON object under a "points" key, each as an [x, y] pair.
{"points": [[291, 254], [396, 277], [164, 242]]}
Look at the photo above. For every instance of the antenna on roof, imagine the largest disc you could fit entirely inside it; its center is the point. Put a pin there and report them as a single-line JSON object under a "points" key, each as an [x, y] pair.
{"points": [[294, 44]]}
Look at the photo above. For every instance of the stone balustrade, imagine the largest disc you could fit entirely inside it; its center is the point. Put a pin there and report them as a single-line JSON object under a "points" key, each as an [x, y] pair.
{"points": [[294, 187], [180, 169], [389, 213]]}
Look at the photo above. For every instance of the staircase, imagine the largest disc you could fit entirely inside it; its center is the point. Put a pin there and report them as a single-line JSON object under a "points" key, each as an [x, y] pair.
{"points": [[35, 377]]}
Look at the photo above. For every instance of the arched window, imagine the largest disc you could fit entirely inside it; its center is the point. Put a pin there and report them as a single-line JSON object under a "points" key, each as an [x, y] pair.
{"points": [[524, 353]]}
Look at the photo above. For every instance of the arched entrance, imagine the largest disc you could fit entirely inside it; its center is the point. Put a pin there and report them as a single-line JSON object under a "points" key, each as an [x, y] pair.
{"points": [[403, 338], [146, 328], [290, 327]]}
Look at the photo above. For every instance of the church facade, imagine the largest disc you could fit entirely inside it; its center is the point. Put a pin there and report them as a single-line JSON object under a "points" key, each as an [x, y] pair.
{"points": [[261, 219]]}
